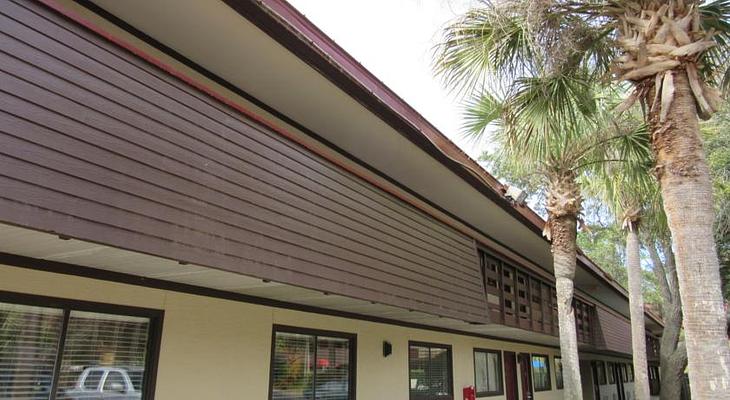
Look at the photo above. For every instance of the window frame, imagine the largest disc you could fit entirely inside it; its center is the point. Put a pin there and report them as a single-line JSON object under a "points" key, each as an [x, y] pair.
{"points": [[450, 360], [549, 375], [559, 385], [498, 392], [351, 337], [154, 336]]}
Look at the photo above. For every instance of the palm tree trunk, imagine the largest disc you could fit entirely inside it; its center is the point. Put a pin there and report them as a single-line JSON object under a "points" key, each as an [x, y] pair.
{"points": [[564, 260], [672, 373], [636, 307], [688, 202], [672, 352]]}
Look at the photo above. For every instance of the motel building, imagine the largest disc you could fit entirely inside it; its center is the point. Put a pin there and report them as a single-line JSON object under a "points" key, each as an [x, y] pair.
{"points": [[213, 200]]}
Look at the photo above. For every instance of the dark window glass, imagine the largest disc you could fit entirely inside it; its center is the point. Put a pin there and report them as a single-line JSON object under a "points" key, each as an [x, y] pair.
{"points": [[601, 372], [332, 372], [488, 372], [630, 371], [29, 339], [102, 343], [611, 373], [558, 372], [308, 366], [429, 372], [100, 353], [293, 376], [540, 373], [654, 385]]}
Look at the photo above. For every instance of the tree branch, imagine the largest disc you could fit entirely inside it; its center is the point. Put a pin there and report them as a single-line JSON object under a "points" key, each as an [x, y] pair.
{"points": [[660, 272], [671, 268], [680, 354]]}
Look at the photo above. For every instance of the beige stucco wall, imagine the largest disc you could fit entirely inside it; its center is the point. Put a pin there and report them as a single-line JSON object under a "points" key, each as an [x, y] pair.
{"points": [[219, 349]]}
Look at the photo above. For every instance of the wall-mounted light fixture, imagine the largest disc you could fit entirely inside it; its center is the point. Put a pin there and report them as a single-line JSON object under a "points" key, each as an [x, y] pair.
{"points": [[516, 195], [387, 348]]}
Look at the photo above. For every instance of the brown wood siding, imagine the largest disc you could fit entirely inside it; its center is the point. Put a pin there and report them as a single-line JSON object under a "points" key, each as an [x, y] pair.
{"points": [[612, 332], [97, 144]]}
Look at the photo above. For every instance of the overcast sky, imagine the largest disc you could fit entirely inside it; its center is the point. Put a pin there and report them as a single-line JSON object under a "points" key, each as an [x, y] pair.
{"points": [[394, 39]]}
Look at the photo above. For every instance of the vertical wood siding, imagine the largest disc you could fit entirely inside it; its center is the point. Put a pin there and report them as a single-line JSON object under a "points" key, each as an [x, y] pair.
{"points": [[97, 144]]}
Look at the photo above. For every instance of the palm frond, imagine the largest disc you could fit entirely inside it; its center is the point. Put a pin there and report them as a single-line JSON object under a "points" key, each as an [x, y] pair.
{"points": [[716, 61], [481, 43], [480, 113], [547, 115]]}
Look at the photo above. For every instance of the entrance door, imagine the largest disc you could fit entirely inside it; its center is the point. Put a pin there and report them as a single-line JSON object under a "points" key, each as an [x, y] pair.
{"points": [[510, 376], [526, 376]]}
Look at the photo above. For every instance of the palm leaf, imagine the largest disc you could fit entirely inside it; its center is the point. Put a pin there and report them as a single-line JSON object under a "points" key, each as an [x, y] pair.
{"points": [[482, 42], [716, 17]]}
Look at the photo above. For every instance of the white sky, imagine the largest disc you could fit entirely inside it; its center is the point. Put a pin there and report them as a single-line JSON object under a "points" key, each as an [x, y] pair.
{"points": [[394, 40]]}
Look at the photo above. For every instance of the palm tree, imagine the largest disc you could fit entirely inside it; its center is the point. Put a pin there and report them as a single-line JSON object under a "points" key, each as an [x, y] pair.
{"points": [[628, 190], [674, 53], [530, 132], [555, 155], [632, 195]]}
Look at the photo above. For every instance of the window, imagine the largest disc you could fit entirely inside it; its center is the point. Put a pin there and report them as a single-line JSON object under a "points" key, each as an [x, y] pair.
{"points": [[307, 365], [540, 373], [429, 371], [601, 372], [558, 372], [74, 349], [630, 371], [611, 373], [487, 372], [624, 373], [654, 385]]}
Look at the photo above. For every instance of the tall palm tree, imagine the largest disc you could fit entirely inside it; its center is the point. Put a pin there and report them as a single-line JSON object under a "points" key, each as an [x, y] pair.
{"points": [[632, 195], [628, 190], [674, 53], [559, 142]]}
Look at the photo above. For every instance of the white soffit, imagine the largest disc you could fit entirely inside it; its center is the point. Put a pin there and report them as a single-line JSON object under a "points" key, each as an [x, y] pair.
{"points": [[46, 246]]}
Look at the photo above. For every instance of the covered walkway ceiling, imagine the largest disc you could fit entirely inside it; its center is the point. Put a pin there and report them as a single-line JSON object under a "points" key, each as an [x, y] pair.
{"points": [[160, 271]]}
